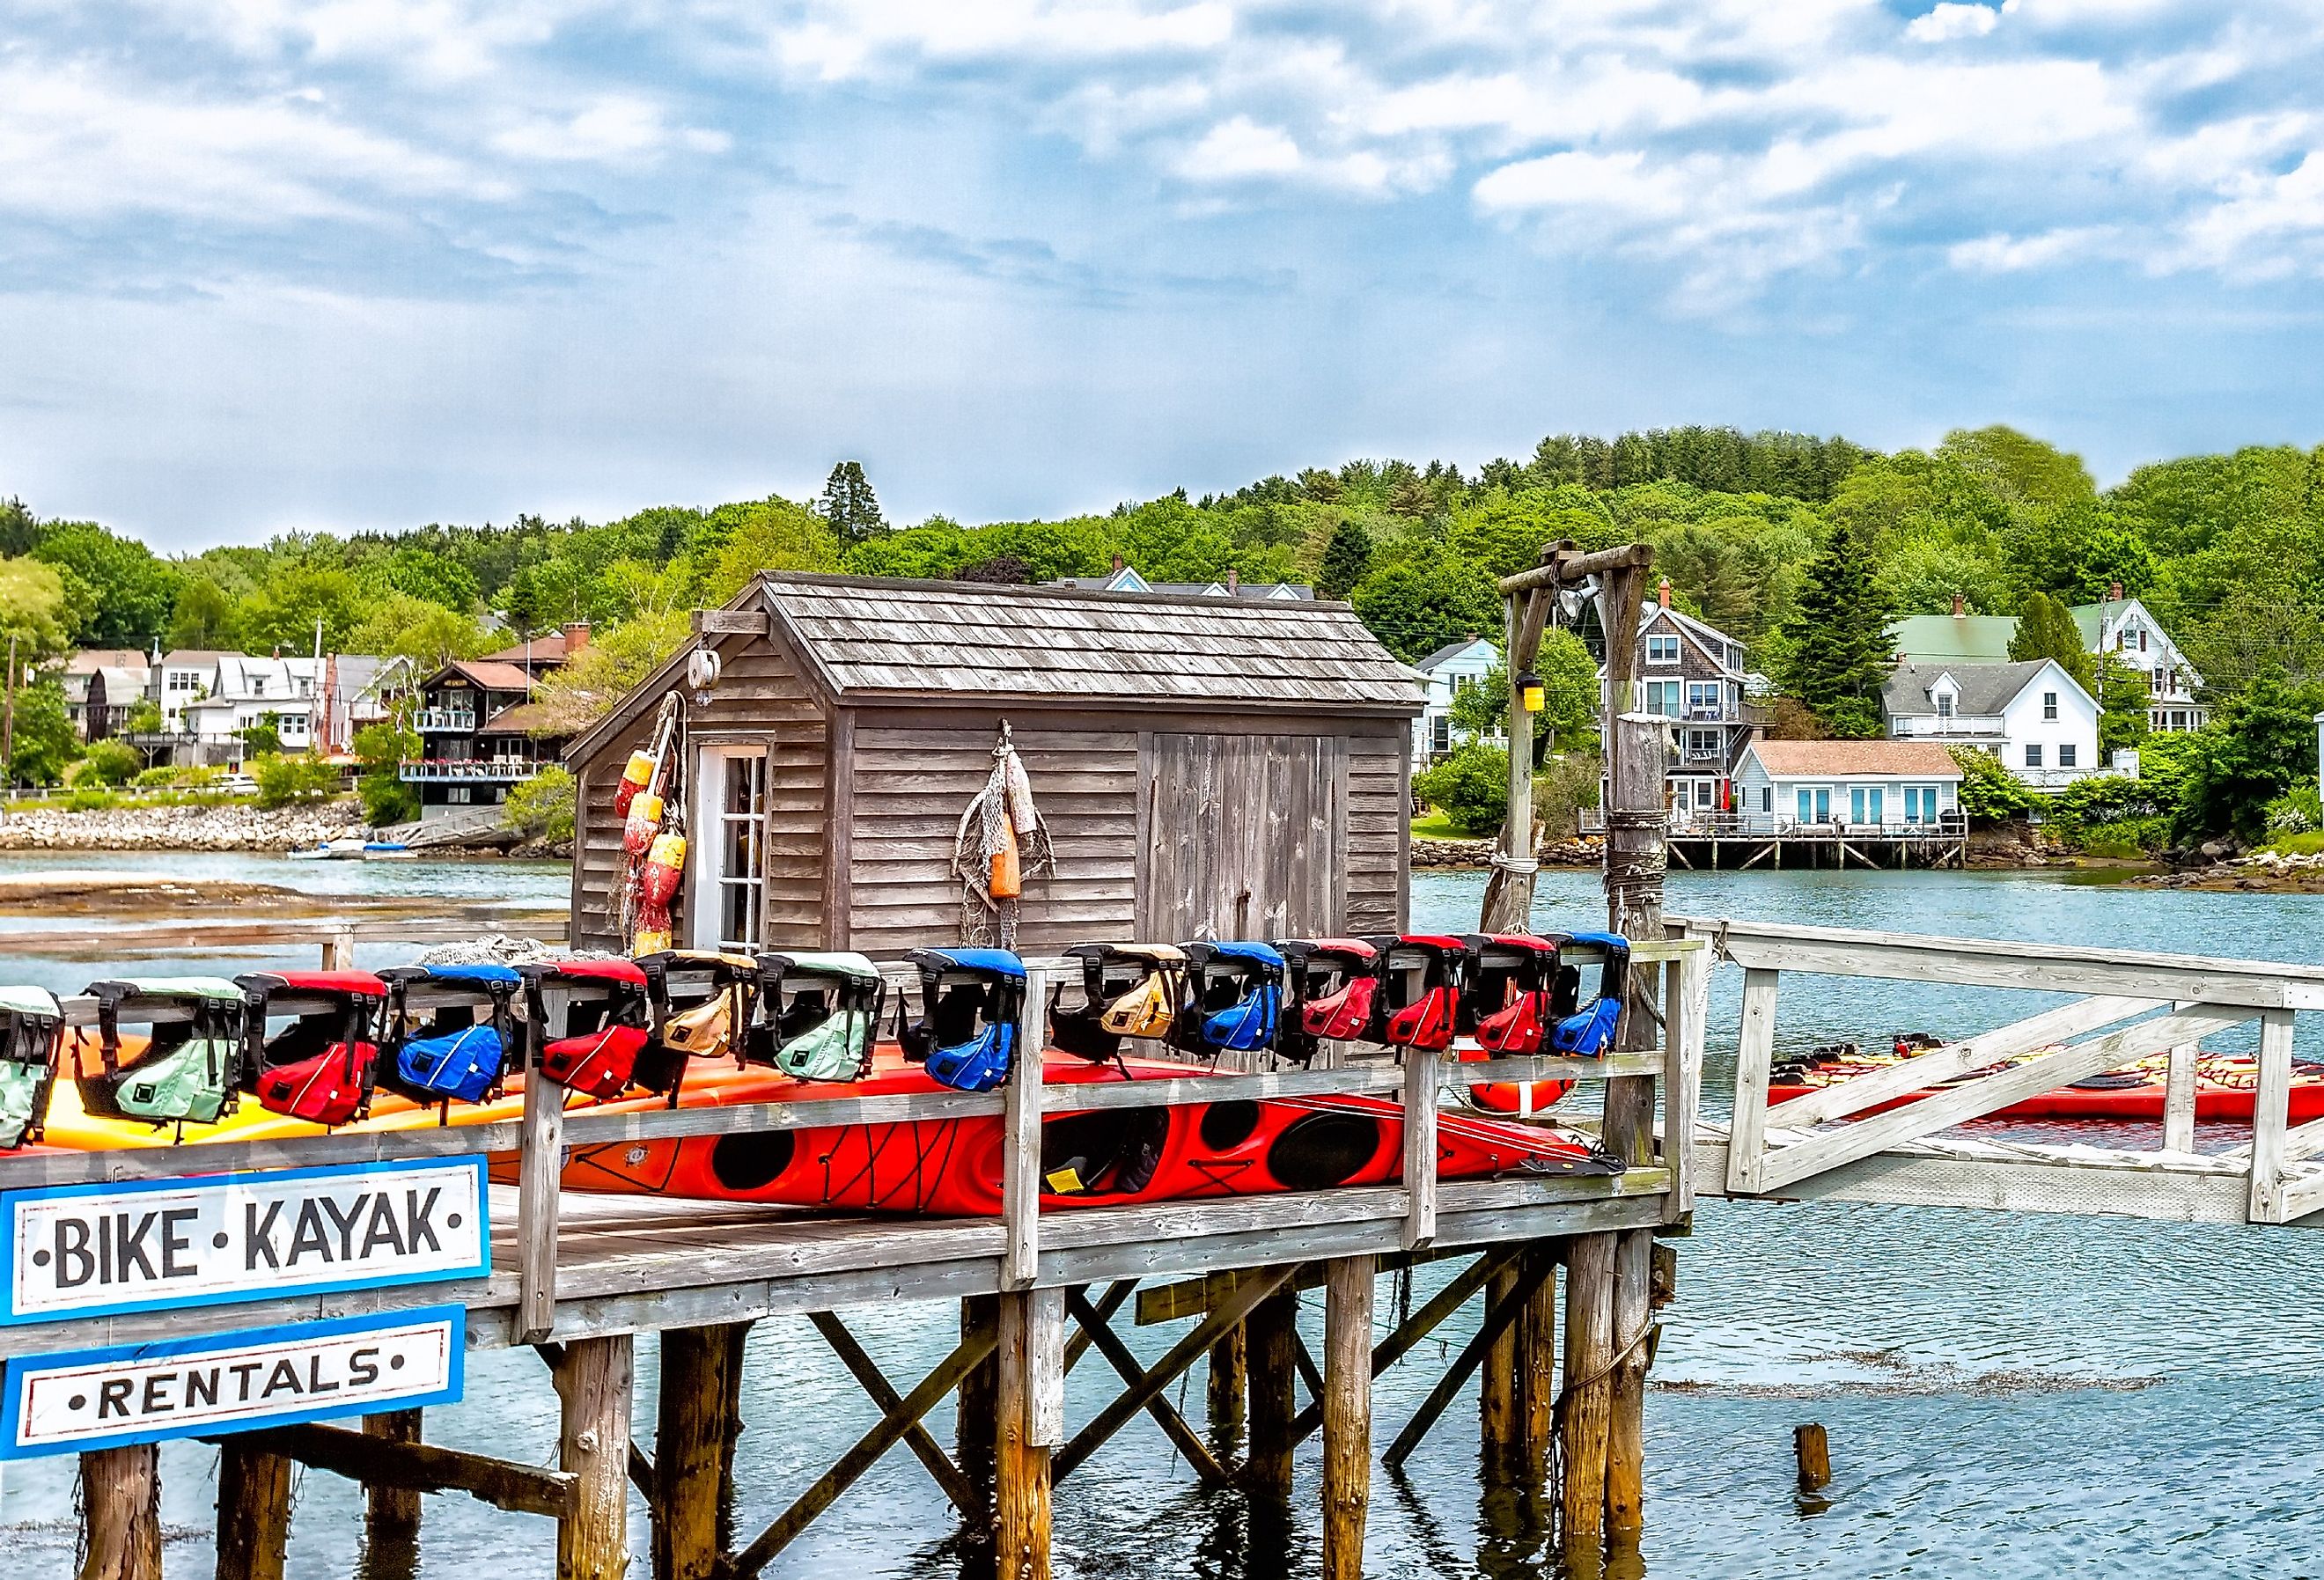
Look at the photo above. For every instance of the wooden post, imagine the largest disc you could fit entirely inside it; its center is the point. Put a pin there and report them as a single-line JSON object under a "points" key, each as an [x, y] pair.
{"points": [[1020, 1162], [1272, 1357], [978, 1410], [1508, 891], [1030, 1429], [1501, 1404], [737, 1336], [1348, 1283], [253, 1513], [121, 1513], [540, 1163], [392, 1514], [1589, 1348], [1626, 1446], [593, 1445], [691, 1450], [1537, 1363], [1228, 1385], [2178, 1100], [339, 949], [1422, 1075]]}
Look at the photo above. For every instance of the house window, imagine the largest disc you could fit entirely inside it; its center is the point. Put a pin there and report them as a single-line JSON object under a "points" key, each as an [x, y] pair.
{"points": [[1662, 650], [1440, 727], [1864, 804], [733, 789], [1702, 742], [1702, 699], [1663, 697], [1767, 797], [2033, 756], [1944, 704], [2142, 639], [2065, 756], [1815, 804], [1920, 803], [2048, 705], [1461, 683]]}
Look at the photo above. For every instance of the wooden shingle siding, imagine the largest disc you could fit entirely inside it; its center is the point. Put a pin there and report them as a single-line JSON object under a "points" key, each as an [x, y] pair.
{"points": [[908, 786], [1379, 816]]}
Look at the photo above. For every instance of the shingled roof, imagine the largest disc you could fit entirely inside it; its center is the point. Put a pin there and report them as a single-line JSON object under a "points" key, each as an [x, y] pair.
{"points": [[865, 637]]}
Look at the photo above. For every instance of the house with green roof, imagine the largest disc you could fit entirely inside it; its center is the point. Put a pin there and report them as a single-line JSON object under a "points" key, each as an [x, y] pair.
{"points": [[2117, 624]]}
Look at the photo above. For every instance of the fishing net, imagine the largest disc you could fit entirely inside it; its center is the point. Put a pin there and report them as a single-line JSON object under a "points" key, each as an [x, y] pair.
{"points": [[1002, 841]]}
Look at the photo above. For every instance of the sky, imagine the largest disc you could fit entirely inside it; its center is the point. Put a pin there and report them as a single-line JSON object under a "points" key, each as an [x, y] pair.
{"points": [[267, 266]]}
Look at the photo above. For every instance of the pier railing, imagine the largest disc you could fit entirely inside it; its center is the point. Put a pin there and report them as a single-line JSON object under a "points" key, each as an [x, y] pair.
{"points": [[1896, 1143], [731, 1271]]}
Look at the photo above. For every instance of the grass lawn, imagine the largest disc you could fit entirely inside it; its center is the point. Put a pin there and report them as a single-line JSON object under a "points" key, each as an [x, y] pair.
{"points": [[1436, 826]]}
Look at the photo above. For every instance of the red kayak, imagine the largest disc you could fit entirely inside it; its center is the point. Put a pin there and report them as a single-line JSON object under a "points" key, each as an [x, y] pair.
{"points": [[1104, 1156], [2224, 1086]]}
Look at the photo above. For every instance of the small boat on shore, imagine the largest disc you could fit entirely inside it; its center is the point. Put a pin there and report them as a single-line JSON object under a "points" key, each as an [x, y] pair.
{"points": [[350, 849], [2226, 1084]]}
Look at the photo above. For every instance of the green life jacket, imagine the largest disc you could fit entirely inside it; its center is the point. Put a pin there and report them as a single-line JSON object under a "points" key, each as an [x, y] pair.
{"points": [[31, 1027], [823, 1030], [190, 1068]]}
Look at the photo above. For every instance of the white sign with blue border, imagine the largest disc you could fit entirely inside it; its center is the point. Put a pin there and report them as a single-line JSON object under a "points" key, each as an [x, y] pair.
{"points": [[159, 1245], [232, 1382]]}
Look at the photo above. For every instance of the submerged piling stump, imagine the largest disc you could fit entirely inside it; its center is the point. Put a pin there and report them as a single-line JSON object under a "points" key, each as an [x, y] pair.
{"points": [[1501, 1404], [1228, 1386], [121, 1513], [1626, 1446], [253, 1513], [392, 1514], [978, 1411], [593, 1379], [1537, 1363], [1348, 1283]]}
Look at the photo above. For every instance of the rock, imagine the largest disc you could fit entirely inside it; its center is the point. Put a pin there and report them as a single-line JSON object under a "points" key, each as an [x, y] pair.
{"points": [[232, 825]]}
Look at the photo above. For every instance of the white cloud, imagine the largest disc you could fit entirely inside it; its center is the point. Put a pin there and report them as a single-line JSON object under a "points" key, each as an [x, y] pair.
{"points": [[619, 129], [2002, 253], [1952, 21]]}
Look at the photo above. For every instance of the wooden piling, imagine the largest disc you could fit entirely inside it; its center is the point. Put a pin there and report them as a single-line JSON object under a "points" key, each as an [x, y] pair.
{"points": [[593, 1379], [1588, 1391], [1626, 1446], [392, 1514], [691, 1450], [1227, 1383], [1271, 1358], [1813, 1449], [978, 1409], [1500, 1402], [121, 1513], [1348, 1283], [737, 1336], [1537, 1363], [253, 1513], [1020, 1493]]}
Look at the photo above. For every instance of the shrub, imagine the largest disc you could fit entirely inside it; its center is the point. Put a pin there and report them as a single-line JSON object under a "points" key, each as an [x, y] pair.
{"points": [[1471, 787], [154, 778], [1989, 793], [108, 762], [541, 807], [2299, 811], [283, 780], [1565, 785]]}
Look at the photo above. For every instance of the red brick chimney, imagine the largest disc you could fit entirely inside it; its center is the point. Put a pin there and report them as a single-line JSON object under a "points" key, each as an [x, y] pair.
{"points": [[576, 637], [1961, 605], [1234, 581], [2114, 591], [1117, 562], [1662, 593]]}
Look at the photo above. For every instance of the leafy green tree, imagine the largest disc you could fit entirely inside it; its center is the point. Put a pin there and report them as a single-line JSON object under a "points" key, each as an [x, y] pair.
{"points": [[1471, 787], [380, 750], [44, 742], [423, 573], [133, 591], [848, 505], [32, 609], [264, 738], [289, 780], [1837, 638], [1415, 610], [145, 718], [202, 616], [400, 625], [2123, 694], [109, 762], [1989, 793], [2046, 631], [2257, 746], [542, 807], [774, 535], [283, 611], [1346, 557], [575, 696]]}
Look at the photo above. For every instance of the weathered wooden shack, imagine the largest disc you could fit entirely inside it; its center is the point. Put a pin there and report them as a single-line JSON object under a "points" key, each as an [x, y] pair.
{"points": [[1204, 764]]}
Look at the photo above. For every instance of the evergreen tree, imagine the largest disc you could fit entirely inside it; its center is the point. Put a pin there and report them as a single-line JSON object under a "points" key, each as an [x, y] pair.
{"points": [[1839, 639], [848, 505], [2046, 630], [1346, 560]]}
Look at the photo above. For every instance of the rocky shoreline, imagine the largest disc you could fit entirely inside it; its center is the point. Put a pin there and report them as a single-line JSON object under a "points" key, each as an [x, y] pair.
{"points": [[2265, 872], [1466, 855], [182, 827]]}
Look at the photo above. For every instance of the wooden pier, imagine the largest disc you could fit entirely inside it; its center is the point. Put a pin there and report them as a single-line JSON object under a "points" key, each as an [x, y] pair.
{"points": [[1725, 844], [578, 1277]]}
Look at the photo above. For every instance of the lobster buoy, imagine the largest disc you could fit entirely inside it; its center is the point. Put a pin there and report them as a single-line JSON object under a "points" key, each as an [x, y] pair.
{"points": [[636, 774], [658, 881], [1008, 876], [644, 822]]}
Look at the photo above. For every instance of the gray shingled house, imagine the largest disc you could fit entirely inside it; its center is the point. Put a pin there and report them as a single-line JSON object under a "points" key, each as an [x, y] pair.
{"points": [[1205, 764]]}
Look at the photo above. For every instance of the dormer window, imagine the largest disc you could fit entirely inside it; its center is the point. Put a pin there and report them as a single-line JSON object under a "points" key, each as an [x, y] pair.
{"points": [[1944, 700]]}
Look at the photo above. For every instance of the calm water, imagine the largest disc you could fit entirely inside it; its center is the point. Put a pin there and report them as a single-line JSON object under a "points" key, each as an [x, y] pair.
{"points": [[2024, 1397]]}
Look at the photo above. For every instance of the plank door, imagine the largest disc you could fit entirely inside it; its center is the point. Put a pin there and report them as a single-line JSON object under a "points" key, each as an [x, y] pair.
{"points": [[1244, 836]]}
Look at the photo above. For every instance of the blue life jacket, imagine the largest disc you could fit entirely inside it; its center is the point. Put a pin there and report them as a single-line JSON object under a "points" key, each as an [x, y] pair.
{"points": [[966, 1034], [1589, 1031], [462, 1063], [1235, 990]]}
